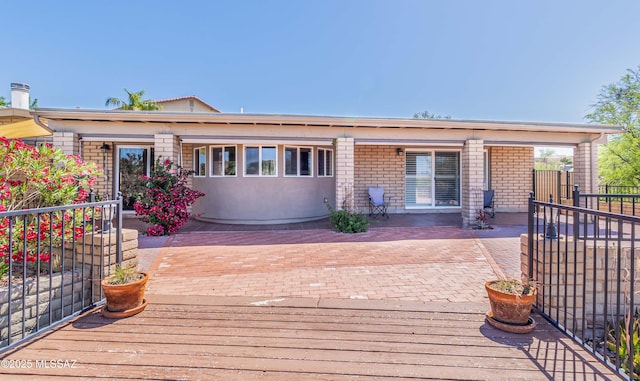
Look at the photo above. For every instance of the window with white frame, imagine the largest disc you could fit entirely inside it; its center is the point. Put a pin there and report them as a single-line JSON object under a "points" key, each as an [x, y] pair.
{"points": [[325, 162], [298, 161], [200, 162], [223, 161], [260, 161]]}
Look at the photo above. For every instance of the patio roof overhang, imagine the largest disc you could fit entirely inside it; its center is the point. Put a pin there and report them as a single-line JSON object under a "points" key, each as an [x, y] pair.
{"points": [[19, 124], [25, 129], [318, 121]]}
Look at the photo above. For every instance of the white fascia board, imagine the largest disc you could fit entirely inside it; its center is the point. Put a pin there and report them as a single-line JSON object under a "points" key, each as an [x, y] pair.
{"points": [[489, 143], [256, 140], [409, 142], [114, 138]]}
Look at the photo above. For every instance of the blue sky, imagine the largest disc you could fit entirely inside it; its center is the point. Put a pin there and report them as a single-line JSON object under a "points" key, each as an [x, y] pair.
{"points": [[495, 60]]}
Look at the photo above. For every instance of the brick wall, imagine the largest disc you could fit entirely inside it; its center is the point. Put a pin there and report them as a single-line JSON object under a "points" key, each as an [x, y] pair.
{"points": [[379, 166], [68, 142], [557, 268], [91, 152], [187, 161], [585, 169], [511, 177], [472, 180], [344, 173], [167, 146]]}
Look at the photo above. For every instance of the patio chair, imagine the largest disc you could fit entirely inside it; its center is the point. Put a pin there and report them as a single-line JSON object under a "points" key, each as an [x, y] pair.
{"points": [[377, 205], [489, 203]]}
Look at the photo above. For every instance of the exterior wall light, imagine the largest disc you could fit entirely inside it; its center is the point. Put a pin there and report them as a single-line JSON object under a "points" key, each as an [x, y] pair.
{"points": [[399, 151], [105, 148]]}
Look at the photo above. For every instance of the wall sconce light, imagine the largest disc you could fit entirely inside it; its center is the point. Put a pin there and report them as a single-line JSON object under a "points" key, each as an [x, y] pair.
{"points": [[105, 148], [399, 151]]}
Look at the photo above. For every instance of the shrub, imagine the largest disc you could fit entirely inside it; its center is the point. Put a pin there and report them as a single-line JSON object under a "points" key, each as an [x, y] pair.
{"points": [[629, 340], [514, 286], [345, 221], [164, 197], [36, 177], [41, 176], [124, 275]]}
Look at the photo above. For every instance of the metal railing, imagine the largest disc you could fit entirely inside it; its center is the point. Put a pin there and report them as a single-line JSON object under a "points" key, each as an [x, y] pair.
{"points": [[620, 189], [620, 203], [51, 263], [584, 263]]}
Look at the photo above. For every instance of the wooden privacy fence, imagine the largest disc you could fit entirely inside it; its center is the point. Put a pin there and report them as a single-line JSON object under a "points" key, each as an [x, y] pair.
{"points": [[558, 184]]}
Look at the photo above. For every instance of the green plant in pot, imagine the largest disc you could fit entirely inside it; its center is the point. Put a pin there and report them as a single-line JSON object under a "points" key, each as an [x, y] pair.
{"points": [[511, 301], [124, 292]]}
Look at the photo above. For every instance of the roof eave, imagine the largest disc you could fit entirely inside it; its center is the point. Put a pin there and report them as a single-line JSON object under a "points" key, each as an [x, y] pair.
{"points": [[314, 120]]}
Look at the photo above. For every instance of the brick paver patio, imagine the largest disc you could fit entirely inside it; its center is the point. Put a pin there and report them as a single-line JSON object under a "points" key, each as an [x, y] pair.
{"points": [[410, 263]]}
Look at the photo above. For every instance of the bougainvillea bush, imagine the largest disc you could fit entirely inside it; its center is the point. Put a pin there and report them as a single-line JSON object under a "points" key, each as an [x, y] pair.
{"points": [[37, 177], [163, 198]]}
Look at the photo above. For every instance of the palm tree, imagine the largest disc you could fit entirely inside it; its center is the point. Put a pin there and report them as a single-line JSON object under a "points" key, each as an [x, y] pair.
{"points": [[32, 106], [134, 102]]}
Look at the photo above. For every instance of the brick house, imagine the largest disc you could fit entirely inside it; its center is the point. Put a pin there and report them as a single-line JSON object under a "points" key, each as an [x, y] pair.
{"points": [[260, 168]]}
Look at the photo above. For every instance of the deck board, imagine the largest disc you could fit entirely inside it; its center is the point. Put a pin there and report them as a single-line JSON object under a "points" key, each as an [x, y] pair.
{"points": [[227, 339]]}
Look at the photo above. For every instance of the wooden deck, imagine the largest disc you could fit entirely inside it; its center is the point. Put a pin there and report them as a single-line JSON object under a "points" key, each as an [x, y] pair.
{"points": [[212, 338]]}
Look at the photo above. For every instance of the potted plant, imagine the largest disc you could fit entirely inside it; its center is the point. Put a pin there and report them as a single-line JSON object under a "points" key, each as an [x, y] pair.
{"points": [[124, 291], [511, 301], [482, 220]]}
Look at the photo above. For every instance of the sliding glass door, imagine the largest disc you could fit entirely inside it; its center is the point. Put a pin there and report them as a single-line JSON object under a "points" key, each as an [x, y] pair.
{"points": [[432, 179], [418, 180]]}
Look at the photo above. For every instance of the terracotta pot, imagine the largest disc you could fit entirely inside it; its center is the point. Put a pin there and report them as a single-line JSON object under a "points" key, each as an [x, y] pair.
{"points": [[125, 297], [510, 308]]}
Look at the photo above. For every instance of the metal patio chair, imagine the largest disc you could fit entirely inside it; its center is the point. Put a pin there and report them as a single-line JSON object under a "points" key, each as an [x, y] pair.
{"points": [[377, 205], [489, 203]]}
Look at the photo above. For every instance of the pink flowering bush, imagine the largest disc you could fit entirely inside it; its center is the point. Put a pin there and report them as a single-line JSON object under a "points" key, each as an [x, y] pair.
{"points": [[164, 197], [36, 177], [40, 176]]}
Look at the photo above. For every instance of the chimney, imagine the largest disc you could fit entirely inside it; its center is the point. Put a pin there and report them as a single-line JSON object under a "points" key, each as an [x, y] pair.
{"points": [[20, 95]]}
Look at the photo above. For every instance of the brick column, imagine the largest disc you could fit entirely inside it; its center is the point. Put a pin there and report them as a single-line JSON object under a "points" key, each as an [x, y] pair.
{"points": [[472, 180], [167, 146], [585, 167], [68, 142], [97, 253], [511, 177], [344, 173]]}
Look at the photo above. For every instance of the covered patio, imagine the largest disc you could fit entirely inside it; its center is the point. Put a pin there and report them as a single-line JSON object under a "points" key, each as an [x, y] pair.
{"points": [[273, 169]]}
